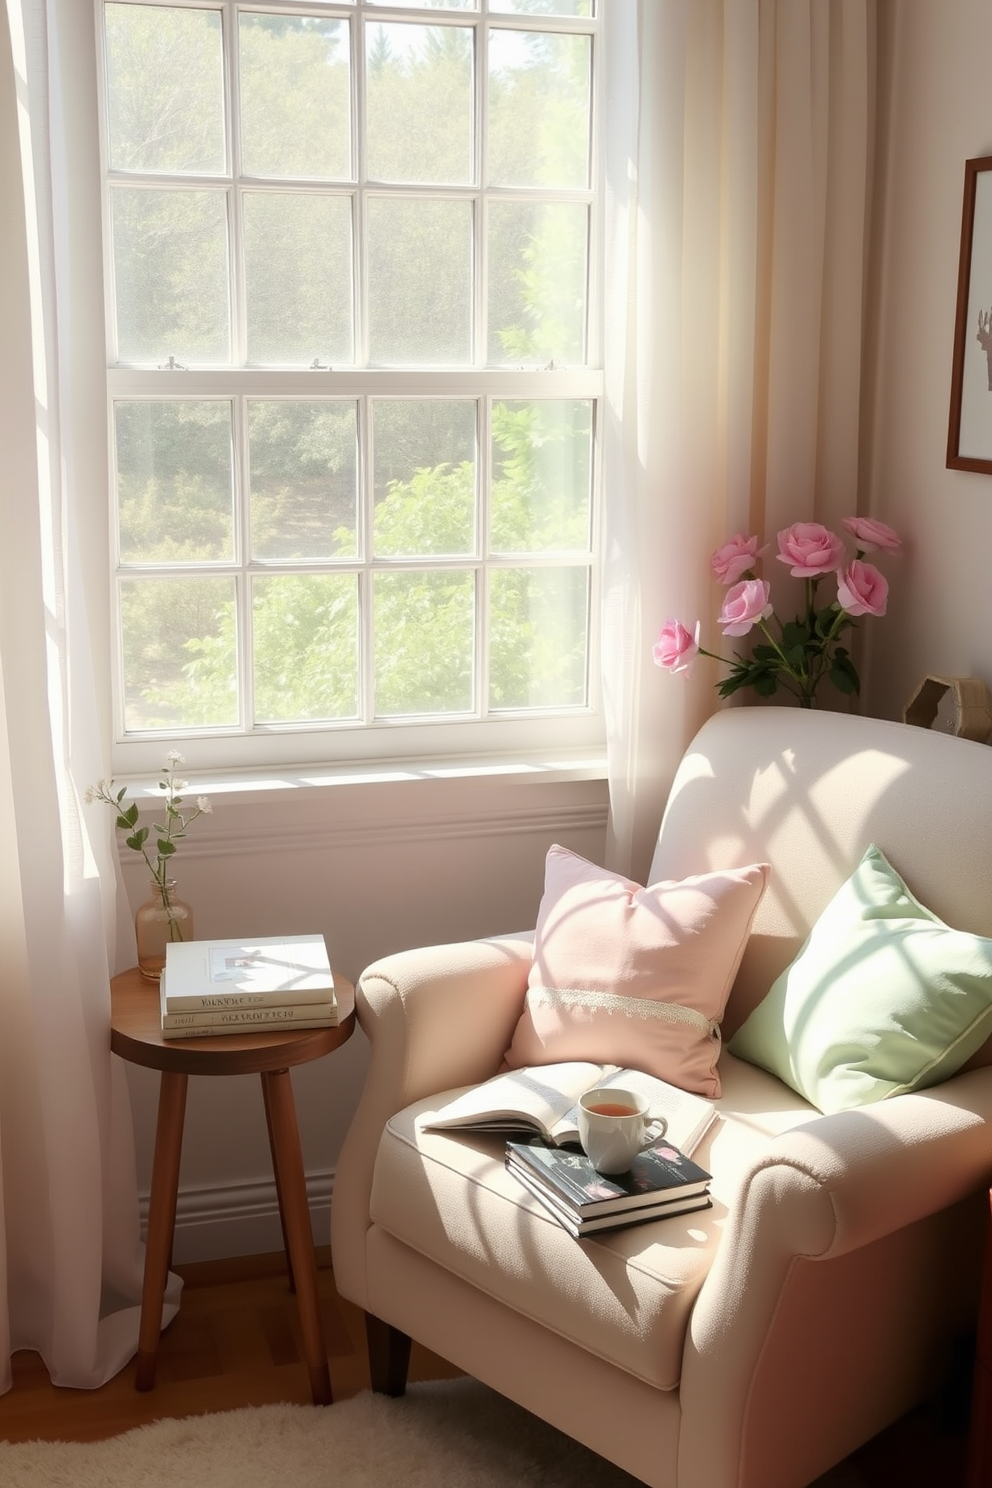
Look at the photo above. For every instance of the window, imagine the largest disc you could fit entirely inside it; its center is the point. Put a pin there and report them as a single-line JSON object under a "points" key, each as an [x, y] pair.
{"points": [[354, 376]]}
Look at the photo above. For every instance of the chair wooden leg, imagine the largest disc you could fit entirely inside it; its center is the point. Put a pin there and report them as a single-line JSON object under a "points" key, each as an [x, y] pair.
{"points": [[389, 1356], [980, 1437], [292, 1192], [161, 1222]]}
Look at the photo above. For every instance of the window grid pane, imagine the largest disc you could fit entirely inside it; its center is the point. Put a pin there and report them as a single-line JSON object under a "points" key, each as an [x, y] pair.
{"points": [[418, 90], [289, 67], [302, 480], [180, 653], [171, 274], [291, 559], [165, 80], [305, 311]]}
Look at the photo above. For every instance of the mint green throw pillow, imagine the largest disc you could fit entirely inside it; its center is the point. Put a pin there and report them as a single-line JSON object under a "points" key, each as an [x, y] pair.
{"points": [[882, 998]]}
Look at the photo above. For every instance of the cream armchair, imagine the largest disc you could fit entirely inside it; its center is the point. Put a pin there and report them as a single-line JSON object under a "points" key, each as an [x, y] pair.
{"points": [[757, 1343]]}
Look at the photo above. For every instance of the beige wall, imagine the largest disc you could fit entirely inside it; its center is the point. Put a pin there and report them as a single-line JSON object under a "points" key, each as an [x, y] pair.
{"points": [[936, 113]]}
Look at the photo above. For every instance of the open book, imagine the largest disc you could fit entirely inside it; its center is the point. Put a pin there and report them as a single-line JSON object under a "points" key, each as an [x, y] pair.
{"points": [[542, 1099]]}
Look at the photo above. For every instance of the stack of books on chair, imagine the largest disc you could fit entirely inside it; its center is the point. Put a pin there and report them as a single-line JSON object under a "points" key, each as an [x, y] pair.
{"points": [[661, 1183], [211, 987]]}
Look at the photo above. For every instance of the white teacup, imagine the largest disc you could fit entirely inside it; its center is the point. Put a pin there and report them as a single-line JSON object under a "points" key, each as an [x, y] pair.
{"points": [[614, 1126]]}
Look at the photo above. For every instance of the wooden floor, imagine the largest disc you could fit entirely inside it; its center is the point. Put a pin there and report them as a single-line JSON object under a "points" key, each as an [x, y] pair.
{"points": [[236, 1341]]}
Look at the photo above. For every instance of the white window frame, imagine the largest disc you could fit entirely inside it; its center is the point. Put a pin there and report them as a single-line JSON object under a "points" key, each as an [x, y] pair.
{"points": [[564, 733]]}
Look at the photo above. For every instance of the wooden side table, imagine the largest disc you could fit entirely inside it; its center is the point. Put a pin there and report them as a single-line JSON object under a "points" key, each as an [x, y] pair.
{"points": [[136, 1035]]}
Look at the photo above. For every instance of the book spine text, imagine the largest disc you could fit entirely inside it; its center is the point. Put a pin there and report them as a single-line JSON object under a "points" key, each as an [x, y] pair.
{"points": [[267, 1017]]}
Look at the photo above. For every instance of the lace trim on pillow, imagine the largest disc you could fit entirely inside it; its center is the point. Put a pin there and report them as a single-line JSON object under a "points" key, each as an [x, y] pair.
{"points": [[631, 1007]]}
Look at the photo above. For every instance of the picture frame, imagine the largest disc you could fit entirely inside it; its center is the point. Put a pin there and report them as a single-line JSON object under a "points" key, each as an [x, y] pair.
{"points": [[969, 437]]}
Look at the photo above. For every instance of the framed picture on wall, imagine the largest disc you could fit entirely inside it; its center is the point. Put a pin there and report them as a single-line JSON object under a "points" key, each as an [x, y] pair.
{"points": [[969, 437]]}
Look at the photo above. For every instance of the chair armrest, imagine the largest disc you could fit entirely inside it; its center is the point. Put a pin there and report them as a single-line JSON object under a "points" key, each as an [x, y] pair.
{"points": [[441, 1016], [817, 1192], [839, 1182], [436, 1017], [893, 1163]]}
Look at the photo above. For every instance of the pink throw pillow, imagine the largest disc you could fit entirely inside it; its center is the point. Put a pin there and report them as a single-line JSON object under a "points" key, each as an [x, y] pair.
{"points": [[635, 976]]}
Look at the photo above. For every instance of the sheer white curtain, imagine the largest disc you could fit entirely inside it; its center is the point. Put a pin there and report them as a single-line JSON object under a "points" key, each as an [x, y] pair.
{"points": [[70, 1257], [738, 184]]}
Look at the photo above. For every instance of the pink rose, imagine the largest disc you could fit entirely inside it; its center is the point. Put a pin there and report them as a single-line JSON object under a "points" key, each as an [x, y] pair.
{"points": [[732, 561], [870, 534], [675, 649], [862, 590], [810, 549], [744, 605]]}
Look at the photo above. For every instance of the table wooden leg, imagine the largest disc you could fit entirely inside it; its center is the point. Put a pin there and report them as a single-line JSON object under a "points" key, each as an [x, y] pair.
{"points": [[275, 1169], [287, 1161], [161, 1222]]}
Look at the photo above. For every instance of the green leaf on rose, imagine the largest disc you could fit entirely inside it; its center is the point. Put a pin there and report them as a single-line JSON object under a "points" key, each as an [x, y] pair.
{"points": [[843, 673], [741, 676]]}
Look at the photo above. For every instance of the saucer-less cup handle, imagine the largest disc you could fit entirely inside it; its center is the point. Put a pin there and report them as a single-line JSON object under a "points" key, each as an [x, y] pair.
{"points": [[614, 1126]]}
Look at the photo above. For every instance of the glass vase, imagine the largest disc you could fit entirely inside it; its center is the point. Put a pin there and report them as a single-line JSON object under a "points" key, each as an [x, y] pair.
{"points": [[162, 917]]}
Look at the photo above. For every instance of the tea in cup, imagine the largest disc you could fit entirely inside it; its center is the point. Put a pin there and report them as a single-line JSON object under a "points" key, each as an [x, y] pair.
{"points": [[614, 1126]]}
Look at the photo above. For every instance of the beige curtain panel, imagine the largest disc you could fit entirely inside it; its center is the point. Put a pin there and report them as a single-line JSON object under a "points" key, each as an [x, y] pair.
{"points": [[70, 1256], [739, 181]]}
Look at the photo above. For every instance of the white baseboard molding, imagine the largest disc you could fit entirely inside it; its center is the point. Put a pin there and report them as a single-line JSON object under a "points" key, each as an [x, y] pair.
{"points": [[237, 1219]]}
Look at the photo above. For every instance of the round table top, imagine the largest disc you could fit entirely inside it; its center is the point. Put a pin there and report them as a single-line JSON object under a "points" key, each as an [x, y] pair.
{"points": [[136, 1035]]}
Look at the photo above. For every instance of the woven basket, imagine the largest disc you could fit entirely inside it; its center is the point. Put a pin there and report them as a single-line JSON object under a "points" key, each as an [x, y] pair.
{"points": [[966, 712]]}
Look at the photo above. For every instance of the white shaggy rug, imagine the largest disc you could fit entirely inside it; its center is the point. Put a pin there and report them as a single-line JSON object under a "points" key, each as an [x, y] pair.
{"points": [[445, 1434]]}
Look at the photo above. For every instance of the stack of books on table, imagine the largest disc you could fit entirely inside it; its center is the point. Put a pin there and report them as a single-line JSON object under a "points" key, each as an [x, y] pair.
{"points": [[662, 1182], [246, 986]]}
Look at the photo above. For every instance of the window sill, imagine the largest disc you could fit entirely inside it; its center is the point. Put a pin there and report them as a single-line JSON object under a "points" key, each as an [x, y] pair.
{"points": [[234, 787]]}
